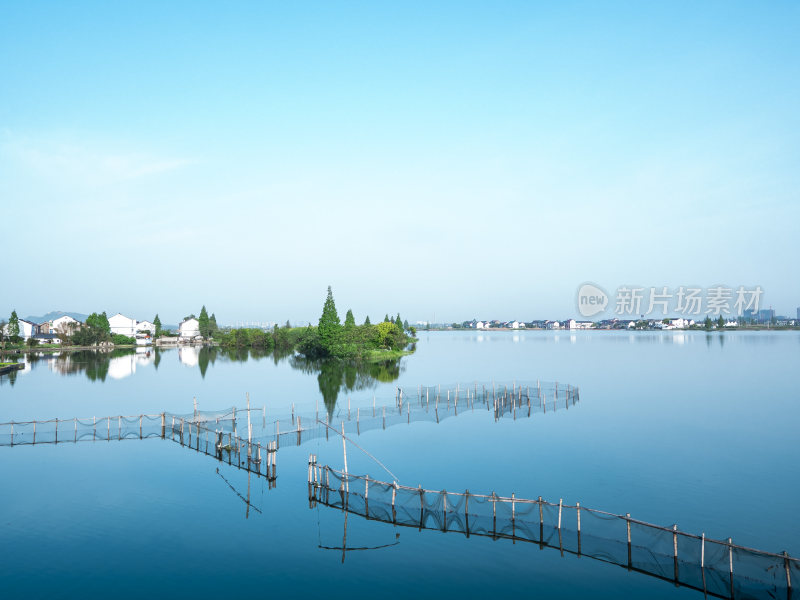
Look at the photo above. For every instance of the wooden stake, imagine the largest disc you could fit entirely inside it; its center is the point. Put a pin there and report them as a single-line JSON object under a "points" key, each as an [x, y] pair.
{"points": [[494, 514], [249, 424], [628, 523], [560, 504], [702, 550], [466, 512], [344, 453], [675, 550], [788, 572]]}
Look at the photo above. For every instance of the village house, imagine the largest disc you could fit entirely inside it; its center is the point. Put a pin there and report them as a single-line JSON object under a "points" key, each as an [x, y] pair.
{"points": [[573, 324], [189, 329], [27, 329], [65, 324], [122, 325], [146, 326]]}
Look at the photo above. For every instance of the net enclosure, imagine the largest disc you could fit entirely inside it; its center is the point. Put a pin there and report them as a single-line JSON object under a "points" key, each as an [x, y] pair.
{"points": [[718, 568]]}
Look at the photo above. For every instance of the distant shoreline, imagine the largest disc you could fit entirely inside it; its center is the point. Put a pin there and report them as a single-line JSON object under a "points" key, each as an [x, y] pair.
{"points": [[562, 330]]}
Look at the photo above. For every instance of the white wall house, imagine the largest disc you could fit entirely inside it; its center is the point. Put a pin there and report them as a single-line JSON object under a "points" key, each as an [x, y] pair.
{"points": [[146, 326], [26, 329], [481, 325], [189, 328], [573, 324], [123, 325], [515, 324], [65, 324]]}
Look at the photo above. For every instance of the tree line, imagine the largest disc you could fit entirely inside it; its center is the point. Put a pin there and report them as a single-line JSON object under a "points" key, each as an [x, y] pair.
{"points": [[330, 338]]}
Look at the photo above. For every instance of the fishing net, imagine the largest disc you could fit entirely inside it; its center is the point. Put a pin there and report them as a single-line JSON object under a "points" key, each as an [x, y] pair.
{"points": [[718, 568]]}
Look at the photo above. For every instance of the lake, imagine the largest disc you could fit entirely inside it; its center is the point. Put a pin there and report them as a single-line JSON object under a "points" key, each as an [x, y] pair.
{"points": [[694, 428]]}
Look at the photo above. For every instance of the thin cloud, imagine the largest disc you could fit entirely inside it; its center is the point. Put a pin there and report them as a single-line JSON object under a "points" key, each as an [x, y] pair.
{"points": [[85, 164]]}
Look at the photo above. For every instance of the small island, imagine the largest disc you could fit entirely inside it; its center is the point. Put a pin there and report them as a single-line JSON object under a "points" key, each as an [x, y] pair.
{"points": [[330, 339]]}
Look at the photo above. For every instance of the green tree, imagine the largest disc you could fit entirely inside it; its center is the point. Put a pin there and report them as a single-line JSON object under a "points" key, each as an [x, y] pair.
{"points": [[97, 329], [212, 324], [98, 322], [329, 325], [366, 321], [720, 322], [387, 334], [708, 323], [157, 323], [349, 320], [386, 318], [405, 325], [13, 326], [399, 322], [202, 322]]}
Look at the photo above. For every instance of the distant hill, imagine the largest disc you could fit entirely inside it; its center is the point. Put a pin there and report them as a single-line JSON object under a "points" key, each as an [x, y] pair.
{"points": [[55, 314]]}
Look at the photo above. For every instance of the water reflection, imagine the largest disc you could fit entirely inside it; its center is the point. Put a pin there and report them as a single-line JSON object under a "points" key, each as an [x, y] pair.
{"points": [[337, 376], [333, 377]]}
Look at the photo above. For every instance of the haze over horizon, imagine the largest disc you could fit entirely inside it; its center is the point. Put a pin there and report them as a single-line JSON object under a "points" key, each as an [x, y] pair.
{"points": [[459, 160]]}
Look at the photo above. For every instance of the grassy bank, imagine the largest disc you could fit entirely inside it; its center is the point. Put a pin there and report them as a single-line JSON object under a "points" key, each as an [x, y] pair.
{"points": [[382, 355]]}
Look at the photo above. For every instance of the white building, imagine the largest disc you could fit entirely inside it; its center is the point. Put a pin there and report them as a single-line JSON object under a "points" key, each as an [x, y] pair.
{"points": [[553, 325], [189, 329], [26, 329], [482, 325], [146, 326], [516, 324], [573, 324], [122, 325], [65, 324]]}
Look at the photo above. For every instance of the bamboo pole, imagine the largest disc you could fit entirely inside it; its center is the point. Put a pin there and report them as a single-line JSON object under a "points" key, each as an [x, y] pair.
{"points": [[702, 550], [466, 512], [788, 572], [344, 454], [675, 550], [730, 562], [394, 494], [494, 514], [628, 523]]}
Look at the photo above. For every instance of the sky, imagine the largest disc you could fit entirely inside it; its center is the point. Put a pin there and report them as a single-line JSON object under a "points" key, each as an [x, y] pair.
{"points": [[443, 160]]}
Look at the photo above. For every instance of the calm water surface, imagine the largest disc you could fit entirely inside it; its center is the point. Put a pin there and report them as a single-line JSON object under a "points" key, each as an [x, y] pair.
{"points": [[673, 427]]}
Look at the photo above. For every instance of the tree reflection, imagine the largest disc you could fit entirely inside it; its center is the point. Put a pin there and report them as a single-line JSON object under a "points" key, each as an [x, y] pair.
{"points": [[334, 376]]}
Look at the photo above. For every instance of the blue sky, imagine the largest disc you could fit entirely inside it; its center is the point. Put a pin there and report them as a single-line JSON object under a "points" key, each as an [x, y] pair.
{"points": [[458, 159]]}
